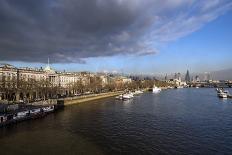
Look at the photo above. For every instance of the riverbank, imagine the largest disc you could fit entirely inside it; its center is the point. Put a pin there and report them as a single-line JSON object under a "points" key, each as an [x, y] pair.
{"points": [[26, 112], [87, 98], [34, 111]]}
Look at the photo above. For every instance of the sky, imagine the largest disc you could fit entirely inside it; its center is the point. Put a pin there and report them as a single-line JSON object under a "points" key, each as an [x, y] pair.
{"points": [[126, 36]]}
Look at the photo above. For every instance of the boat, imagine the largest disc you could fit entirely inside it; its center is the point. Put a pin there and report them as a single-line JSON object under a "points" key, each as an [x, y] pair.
{"points": [[125, 96], [156, 89], [48, 109], [119, 97], [137, 92], [197, 87], [222, 95], [21, 114], [35, 111]]}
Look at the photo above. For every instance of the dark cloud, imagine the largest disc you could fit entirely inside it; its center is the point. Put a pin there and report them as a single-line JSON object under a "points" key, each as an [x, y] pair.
{"points": [[72, 30]]}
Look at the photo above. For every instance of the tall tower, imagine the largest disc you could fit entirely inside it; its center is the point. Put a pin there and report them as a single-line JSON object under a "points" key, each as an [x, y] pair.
{"points": [[166, 77], [179, 76], [187, 76]]}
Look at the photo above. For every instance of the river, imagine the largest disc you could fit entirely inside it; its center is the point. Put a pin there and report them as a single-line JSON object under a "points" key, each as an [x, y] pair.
{"points": [[178, 121]]}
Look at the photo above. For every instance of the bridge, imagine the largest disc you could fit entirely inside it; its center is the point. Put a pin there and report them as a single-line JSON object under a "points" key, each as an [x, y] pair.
{"points": [[211, 84]]}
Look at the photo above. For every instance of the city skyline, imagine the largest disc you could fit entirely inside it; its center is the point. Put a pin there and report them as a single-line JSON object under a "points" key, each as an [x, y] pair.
{"points": [[139, 39]]}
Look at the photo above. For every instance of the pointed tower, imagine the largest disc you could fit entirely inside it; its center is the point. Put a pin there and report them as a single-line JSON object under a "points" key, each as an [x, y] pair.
{"points": [[187, 76]]}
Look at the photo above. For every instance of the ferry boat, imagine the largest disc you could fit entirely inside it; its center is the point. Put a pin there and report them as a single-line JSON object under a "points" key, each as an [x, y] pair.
{"points": [[156, 89]]}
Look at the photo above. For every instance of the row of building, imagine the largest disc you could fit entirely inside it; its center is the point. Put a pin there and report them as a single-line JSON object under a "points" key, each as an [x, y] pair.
{"points": [[10, 76], [180, 80]]}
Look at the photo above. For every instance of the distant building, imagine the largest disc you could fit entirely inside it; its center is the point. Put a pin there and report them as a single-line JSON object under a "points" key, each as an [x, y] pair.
{"points": [[177, 76], [197, 79], [166, 77], [187, 77], [177, 80], [207, 76]]}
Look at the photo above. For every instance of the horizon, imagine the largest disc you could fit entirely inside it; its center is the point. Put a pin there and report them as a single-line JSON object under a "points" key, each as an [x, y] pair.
{"points": [[142, 37], [158, 76]]}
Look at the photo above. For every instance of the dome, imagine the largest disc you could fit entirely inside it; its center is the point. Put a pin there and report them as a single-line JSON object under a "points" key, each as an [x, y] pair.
{"points": [[48, 69]]}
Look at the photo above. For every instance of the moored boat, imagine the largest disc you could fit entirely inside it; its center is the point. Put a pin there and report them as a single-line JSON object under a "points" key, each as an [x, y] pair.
{"points": [[125, 96], [35, 111], [48, 109], [137, 92], [156, 89], [222, 95]]}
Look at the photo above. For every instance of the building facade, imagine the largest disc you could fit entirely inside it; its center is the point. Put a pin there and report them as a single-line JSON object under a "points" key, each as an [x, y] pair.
{"points": [[19, 83]]}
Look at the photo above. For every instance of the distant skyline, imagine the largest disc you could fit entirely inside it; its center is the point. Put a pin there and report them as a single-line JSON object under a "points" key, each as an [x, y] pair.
{"points": [[127, 36]]}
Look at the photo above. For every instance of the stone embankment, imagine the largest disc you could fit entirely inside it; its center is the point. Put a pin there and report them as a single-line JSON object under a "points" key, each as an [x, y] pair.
{"points": [[86, 98]]}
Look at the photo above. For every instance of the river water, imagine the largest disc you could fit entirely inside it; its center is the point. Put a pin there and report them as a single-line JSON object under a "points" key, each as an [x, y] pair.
{"points": [[178, 121]]}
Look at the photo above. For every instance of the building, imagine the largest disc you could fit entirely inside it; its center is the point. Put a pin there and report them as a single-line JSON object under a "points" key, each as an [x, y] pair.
{"points": [[177, 80], [14, 82], [19, 83], [197, 79], [187, 77]]}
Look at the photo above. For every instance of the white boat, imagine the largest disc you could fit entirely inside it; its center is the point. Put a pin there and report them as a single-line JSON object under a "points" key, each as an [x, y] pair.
{"points": [[48, 109], [125, 96], [156, 89], [119, 97], [222, 95], [137, 92], [21, 114], [222, 91], [197, 87]]}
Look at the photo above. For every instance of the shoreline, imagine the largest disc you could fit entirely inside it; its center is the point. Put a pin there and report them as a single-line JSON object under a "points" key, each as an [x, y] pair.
{"points": [[62, 103]]}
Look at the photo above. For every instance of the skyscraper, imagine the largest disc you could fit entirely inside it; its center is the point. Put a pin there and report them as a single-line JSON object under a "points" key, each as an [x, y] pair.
{"points": [[187, 76]]}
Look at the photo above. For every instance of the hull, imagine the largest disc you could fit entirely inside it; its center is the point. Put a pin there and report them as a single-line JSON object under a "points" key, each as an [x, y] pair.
{"points": [[156, 90]]}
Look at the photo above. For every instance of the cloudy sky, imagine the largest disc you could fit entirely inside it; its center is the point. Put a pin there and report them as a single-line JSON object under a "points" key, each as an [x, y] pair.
{"points": [[135, 36]]}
